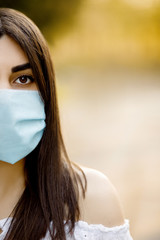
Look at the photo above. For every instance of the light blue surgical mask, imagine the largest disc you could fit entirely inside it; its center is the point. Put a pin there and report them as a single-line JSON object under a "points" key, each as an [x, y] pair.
{"points": [[22, 122]]}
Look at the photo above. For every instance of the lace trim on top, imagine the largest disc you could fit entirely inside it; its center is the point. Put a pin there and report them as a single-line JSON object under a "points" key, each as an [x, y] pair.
{"points": [[85, 231], [102, 228]]}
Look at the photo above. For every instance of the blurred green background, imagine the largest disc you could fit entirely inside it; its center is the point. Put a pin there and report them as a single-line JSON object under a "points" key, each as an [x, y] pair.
{"points": [[106, 55]]}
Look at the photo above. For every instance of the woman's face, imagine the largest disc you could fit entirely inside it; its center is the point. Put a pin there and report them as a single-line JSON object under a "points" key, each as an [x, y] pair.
{"points": [[15, 70]]}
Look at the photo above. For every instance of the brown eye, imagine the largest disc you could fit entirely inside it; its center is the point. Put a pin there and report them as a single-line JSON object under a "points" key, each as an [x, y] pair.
{"points": [[24, 79]]}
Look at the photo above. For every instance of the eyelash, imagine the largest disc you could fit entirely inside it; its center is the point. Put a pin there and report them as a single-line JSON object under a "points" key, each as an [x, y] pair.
{"points": [[25, 77]]}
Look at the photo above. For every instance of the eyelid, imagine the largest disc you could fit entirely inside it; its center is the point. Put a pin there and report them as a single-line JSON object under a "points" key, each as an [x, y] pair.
{"points": [[27, 72], [30, 76], [27, 75]]}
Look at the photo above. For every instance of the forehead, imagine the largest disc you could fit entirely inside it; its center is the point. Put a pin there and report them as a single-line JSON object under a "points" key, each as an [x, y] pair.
{"points": [[11, 53]]}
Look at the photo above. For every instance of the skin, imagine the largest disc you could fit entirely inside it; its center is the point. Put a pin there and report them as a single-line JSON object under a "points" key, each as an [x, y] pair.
{"points": [[101, 205]]}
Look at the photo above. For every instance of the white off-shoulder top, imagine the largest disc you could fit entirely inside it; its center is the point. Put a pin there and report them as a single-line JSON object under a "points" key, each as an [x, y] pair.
{"points": [[85, 231]]}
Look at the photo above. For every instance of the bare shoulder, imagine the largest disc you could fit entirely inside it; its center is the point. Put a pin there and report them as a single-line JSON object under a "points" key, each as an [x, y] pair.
{"points": [[101, 204]]}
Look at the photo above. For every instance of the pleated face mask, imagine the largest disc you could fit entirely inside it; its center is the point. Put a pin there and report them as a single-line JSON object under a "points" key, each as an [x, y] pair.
{"points": [[22, 122]]}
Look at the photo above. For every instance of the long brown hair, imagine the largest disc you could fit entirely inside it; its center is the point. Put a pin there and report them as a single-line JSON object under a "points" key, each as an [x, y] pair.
{"points": [[52, 185]]}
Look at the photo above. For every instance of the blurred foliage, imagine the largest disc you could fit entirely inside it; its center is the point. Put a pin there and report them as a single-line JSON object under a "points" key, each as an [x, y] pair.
{"points": [[52, 16], [110, 33]]}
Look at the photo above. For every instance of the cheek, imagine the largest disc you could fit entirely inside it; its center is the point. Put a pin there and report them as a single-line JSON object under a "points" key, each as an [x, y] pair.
{"points": [[34, 86]]}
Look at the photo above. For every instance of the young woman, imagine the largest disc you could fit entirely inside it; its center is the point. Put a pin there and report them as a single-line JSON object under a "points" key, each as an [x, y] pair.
{"points": [[42, 194]]}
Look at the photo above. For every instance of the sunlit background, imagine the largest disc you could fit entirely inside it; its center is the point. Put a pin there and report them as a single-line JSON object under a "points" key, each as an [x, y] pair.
{"points": [[106, 55]]}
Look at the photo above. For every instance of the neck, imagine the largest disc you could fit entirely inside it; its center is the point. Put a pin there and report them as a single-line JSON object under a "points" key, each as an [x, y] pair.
{"points": [[12, 184]]}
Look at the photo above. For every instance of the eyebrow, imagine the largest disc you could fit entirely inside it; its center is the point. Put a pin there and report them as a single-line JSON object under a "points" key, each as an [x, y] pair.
{"points": [[21, 67]]}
